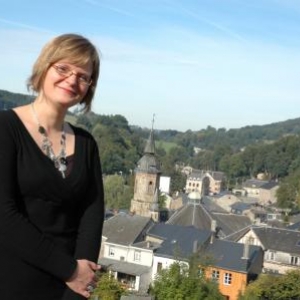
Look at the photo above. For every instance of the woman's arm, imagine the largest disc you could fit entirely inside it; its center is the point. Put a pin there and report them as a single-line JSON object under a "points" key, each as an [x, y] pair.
{"points": [[89, 233], [91, 222]]}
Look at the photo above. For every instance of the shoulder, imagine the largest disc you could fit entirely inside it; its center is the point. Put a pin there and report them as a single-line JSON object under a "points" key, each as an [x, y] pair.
{"points": [[10, 129], [6, 114], [83, 135], [7, 118]]}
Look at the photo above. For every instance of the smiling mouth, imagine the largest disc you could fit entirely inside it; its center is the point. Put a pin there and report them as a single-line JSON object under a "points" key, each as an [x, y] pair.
{"points": [[70, 92]]}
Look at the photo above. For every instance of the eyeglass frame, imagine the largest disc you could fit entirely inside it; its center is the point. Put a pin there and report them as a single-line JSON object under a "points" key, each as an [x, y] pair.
{"points": [[68, 72]]}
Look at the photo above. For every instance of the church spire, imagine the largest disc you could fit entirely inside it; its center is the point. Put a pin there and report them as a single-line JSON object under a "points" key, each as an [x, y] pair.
{"points": [[150, 144], [146, 186]]}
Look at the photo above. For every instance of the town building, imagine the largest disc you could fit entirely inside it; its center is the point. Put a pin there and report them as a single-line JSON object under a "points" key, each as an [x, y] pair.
{"points": [[231, 265], [125, 253], [146, 187], [281, 246], [205, 182]]}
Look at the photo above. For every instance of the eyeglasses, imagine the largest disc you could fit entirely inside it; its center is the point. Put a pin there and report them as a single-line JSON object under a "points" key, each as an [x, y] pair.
{"points": [[66, 71]]}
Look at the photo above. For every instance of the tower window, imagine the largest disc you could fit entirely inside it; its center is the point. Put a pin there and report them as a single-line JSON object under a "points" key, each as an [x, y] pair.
{"points": [[150, 187]]}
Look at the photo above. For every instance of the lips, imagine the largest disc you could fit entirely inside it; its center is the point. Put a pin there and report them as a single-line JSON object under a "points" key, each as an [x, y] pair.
{"points": [[69, 91]]}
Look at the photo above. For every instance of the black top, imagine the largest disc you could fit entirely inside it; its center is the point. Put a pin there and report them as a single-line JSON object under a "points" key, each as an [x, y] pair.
{"points": [[46, 221]]}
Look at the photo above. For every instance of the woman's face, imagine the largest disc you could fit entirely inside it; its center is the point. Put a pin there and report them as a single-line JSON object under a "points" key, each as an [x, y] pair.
{"points": [[67, 84]]}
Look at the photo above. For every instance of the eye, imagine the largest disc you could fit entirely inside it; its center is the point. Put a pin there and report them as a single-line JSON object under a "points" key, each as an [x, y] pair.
{"points": [[84, 78], [62, 69]]}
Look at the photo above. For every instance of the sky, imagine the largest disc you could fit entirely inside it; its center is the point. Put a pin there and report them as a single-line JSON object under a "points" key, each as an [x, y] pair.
{"points": [[188, 64]]}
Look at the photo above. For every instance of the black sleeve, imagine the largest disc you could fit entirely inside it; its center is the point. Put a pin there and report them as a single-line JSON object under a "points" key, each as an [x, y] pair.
{"points": [[17, 234], [90, 228]]}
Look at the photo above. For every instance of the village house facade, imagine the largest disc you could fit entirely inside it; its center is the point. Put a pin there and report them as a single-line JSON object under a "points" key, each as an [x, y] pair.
{"points": [[231, 265], [281, 247], [124, 252], [205, 182], [267, 193]]}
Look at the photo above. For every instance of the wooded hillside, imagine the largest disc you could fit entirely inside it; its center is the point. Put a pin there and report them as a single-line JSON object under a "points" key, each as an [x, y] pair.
{"points": [[272, 149]]}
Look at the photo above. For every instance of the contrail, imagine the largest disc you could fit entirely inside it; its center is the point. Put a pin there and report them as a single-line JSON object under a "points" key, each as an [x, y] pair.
{"points": [[22, 25], [212, 24], [122, 12]]}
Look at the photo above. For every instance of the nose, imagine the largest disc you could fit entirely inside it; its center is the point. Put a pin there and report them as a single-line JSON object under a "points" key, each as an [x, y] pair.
{"points": [[71, 78]]}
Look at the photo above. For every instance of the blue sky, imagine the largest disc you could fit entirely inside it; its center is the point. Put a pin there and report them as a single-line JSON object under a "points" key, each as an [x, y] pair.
{"points": [[220, 63]]}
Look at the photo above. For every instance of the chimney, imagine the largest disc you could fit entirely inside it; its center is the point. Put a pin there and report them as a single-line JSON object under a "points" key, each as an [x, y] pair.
{"points": [[213, 225], [246, 250], [195, 246]]}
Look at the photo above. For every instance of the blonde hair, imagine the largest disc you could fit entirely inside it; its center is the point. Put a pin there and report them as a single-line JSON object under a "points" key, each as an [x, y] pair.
{"points": [[77, 50]]}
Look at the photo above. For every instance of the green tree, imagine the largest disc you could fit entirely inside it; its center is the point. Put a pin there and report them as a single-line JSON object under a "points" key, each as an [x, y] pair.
{"points": [[162, 200], [84, 122], [272, 287], [288, 193], [117, 193], [177, 282], [107, 288]]}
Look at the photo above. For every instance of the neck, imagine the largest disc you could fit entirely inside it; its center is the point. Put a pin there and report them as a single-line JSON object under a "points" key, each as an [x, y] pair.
{"points": [[60, 161], [51, 118]]}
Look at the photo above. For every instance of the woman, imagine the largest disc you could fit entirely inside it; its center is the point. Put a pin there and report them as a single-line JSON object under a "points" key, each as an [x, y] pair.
{"points": [[51, 192]]}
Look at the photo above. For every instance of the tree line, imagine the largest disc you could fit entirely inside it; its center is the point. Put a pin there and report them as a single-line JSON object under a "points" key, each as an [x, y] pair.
{"points": [[273, 150]]}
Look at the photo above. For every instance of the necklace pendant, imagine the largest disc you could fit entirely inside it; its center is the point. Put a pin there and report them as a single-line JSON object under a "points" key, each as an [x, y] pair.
{"points": [[42, 130], [63, 161], [60, 161], [62, 168]]}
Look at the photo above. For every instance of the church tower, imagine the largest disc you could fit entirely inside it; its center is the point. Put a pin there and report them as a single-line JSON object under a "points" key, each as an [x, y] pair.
{"points": [[146, 186]]}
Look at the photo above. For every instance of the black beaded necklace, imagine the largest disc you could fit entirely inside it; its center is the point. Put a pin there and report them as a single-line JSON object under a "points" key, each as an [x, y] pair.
{"points": [[60, 160]]}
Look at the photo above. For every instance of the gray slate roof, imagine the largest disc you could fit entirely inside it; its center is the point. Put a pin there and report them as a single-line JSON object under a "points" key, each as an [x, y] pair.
{"points": [[234, 237], [178, 240], [149, 163], [125, 229], [124, 267], [199, 174], [199, 217], [191, 215], [230, 223], [279, 239], [269, 185], [254, 183], [240, 206], [229, 255], [211, 205]]}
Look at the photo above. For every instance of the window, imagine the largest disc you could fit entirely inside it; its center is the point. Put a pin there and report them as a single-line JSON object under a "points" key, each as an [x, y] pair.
{"points": [[251, 240], [159, 267], [227, 278], [201, 272], [295, 260], [137, 255], [215, 275], [150, 187], [111, 251], [272, 255]]}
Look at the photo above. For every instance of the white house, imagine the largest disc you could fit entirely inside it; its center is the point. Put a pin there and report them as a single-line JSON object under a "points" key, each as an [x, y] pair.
{"points": [[124, 251], [281, 247]]}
